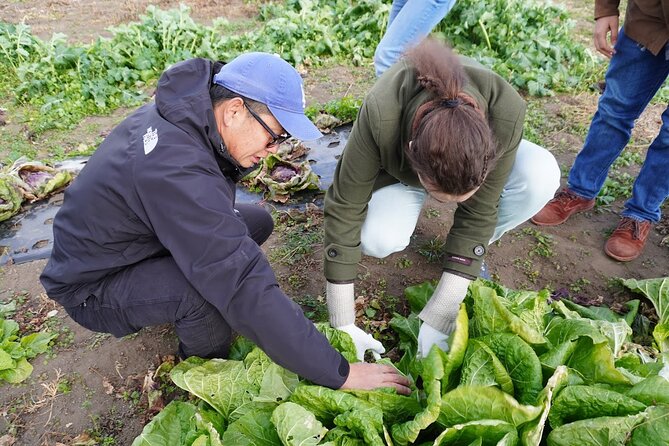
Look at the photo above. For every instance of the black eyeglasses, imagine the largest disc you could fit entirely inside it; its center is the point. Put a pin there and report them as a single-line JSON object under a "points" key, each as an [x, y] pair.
{"points": [[276, 139]]}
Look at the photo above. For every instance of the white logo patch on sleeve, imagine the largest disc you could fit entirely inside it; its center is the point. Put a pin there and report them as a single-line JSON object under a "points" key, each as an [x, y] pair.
{"points": [[150, 140]]}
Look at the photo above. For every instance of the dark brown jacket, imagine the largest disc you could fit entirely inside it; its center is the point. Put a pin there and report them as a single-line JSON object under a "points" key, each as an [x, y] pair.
{"points": [[646, 21]]}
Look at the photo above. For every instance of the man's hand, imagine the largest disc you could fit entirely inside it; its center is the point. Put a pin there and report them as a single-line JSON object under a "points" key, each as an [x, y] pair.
{"points": [[604, 26], [366, 376], [363, 342], [427, 337]]}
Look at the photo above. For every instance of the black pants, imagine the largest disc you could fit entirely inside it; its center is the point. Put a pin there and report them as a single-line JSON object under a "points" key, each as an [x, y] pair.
{"points": [[155, 292]]}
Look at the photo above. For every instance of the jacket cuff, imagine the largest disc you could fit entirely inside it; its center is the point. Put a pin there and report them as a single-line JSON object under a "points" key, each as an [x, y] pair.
{"points": [[341, 262], [604, 9]]}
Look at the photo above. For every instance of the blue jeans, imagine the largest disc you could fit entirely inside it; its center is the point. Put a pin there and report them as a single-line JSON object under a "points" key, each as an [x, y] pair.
{"points": [[633, 77], [409, 21]]}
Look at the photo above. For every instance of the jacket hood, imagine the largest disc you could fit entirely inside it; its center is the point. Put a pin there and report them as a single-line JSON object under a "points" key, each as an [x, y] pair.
{"points": [[182, 98]]}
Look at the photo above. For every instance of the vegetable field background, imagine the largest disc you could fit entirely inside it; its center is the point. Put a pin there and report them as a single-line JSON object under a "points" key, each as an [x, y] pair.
{"points": [[89, 389]]}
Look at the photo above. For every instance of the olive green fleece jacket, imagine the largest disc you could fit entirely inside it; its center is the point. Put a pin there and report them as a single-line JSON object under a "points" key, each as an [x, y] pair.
{"points": [[374, 158]]}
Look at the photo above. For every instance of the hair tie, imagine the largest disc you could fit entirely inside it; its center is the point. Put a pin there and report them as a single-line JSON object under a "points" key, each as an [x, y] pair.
{"points": [[451, 103]]}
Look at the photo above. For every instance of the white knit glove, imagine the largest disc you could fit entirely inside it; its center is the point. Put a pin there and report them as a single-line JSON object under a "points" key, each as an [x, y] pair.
{"points": [[427, 337], [341, 307], [440, 312]]}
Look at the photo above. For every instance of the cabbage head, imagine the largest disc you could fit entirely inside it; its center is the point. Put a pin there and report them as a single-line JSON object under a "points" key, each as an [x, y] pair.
{"points": [[280, 179], [37, 180]]}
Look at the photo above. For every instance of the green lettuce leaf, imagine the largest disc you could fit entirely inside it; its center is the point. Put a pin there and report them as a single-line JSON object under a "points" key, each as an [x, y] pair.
{"points": [[457, 347], [601, 431], [651, 391], [222, 383], [654, 430], [491, 316], [471, 403], [490, 431], [532, 431], [657, 291], [482, 368], [252, 429], [341, 341], [296, 426], [175, 424], [521, 362], [433, 372], [595, 363], [582, 402], [396, 408], [418, 295]]}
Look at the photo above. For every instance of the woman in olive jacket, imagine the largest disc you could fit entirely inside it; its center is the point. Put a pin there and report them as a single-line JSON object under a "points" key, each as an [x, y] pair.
{"points": [[441, 125]]}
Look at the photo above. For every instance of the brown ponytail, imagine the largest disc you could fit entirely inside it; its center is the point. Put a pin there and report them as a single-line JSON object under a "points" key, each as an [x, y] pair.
{"points": [[452, 147]]}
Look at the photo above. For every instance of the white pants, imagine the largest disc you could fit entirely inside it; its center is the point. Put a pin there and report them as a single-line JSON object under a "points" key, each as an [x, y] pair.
{"points": [[393, 211]]}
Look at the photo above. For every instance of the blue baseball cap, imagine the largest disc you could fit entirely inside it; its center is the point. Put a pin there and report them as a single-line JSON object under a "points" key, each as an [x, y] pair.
{"points": [[268, 79]]}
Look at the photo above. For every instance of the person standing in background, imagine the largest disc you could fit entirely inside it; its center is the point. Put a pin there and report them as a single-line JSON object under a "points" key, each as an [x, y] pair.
{"points": [[409, 22], [639, 65]]}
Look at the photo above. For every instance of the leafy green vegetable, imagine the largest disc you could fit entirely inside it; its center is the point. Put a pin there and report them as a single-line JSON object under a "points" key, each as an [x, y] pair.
{"points": [[485, 390], [581, 402], [177, 423], [15, 351], [297, 426], [521, 363], [657, 291], [595, 431], [10, 197], [37, 180], [281, 179], [469, 403]]}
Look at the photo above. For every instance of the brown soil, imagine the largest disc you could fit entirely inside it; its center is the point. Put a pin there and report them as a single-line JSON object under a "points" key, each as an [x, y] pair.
{"points": [[100, 399]]}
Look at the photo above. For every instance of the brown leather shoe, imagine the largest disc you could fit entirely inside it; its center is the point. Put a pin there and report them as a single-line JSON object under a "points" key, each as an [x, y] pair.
{"points": [[628, 240], [560, 208]]}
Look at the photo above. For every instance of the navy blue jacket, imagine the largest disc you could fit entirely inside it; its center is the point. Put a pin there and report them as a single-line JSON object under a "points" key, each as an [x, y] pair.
{"points": [[162, 183]]}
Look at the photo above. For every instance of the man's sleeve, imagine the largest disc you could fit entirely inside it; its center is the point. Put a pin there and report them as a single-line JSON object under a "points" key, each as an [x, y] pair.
{"points": [[190, 210]]}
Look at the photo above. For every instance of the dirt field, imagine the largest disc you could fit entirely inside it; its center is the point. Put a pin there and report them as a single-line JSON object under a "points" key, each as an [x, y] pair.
{"points": [[89, 389]]}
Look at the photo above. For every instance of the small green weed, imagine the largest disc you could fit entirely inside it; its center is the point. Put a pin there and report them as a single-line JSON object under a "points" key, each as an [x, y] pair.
{"points": [[617, 186], [403, 262], [433, 250], [315, 308], [432, 213], [579, 285], [544, 243]]}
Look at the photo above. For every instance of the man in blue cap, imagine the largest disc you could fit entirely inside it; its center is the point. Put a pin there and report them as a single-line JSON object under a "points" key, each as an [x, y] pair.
{"points": [[149, 232]]}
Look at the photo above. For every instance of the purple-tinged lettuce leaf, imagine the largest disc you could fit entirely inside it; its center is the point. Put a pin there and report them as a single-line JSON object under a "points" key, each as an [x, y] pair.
{"points": [[37, 180]]}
